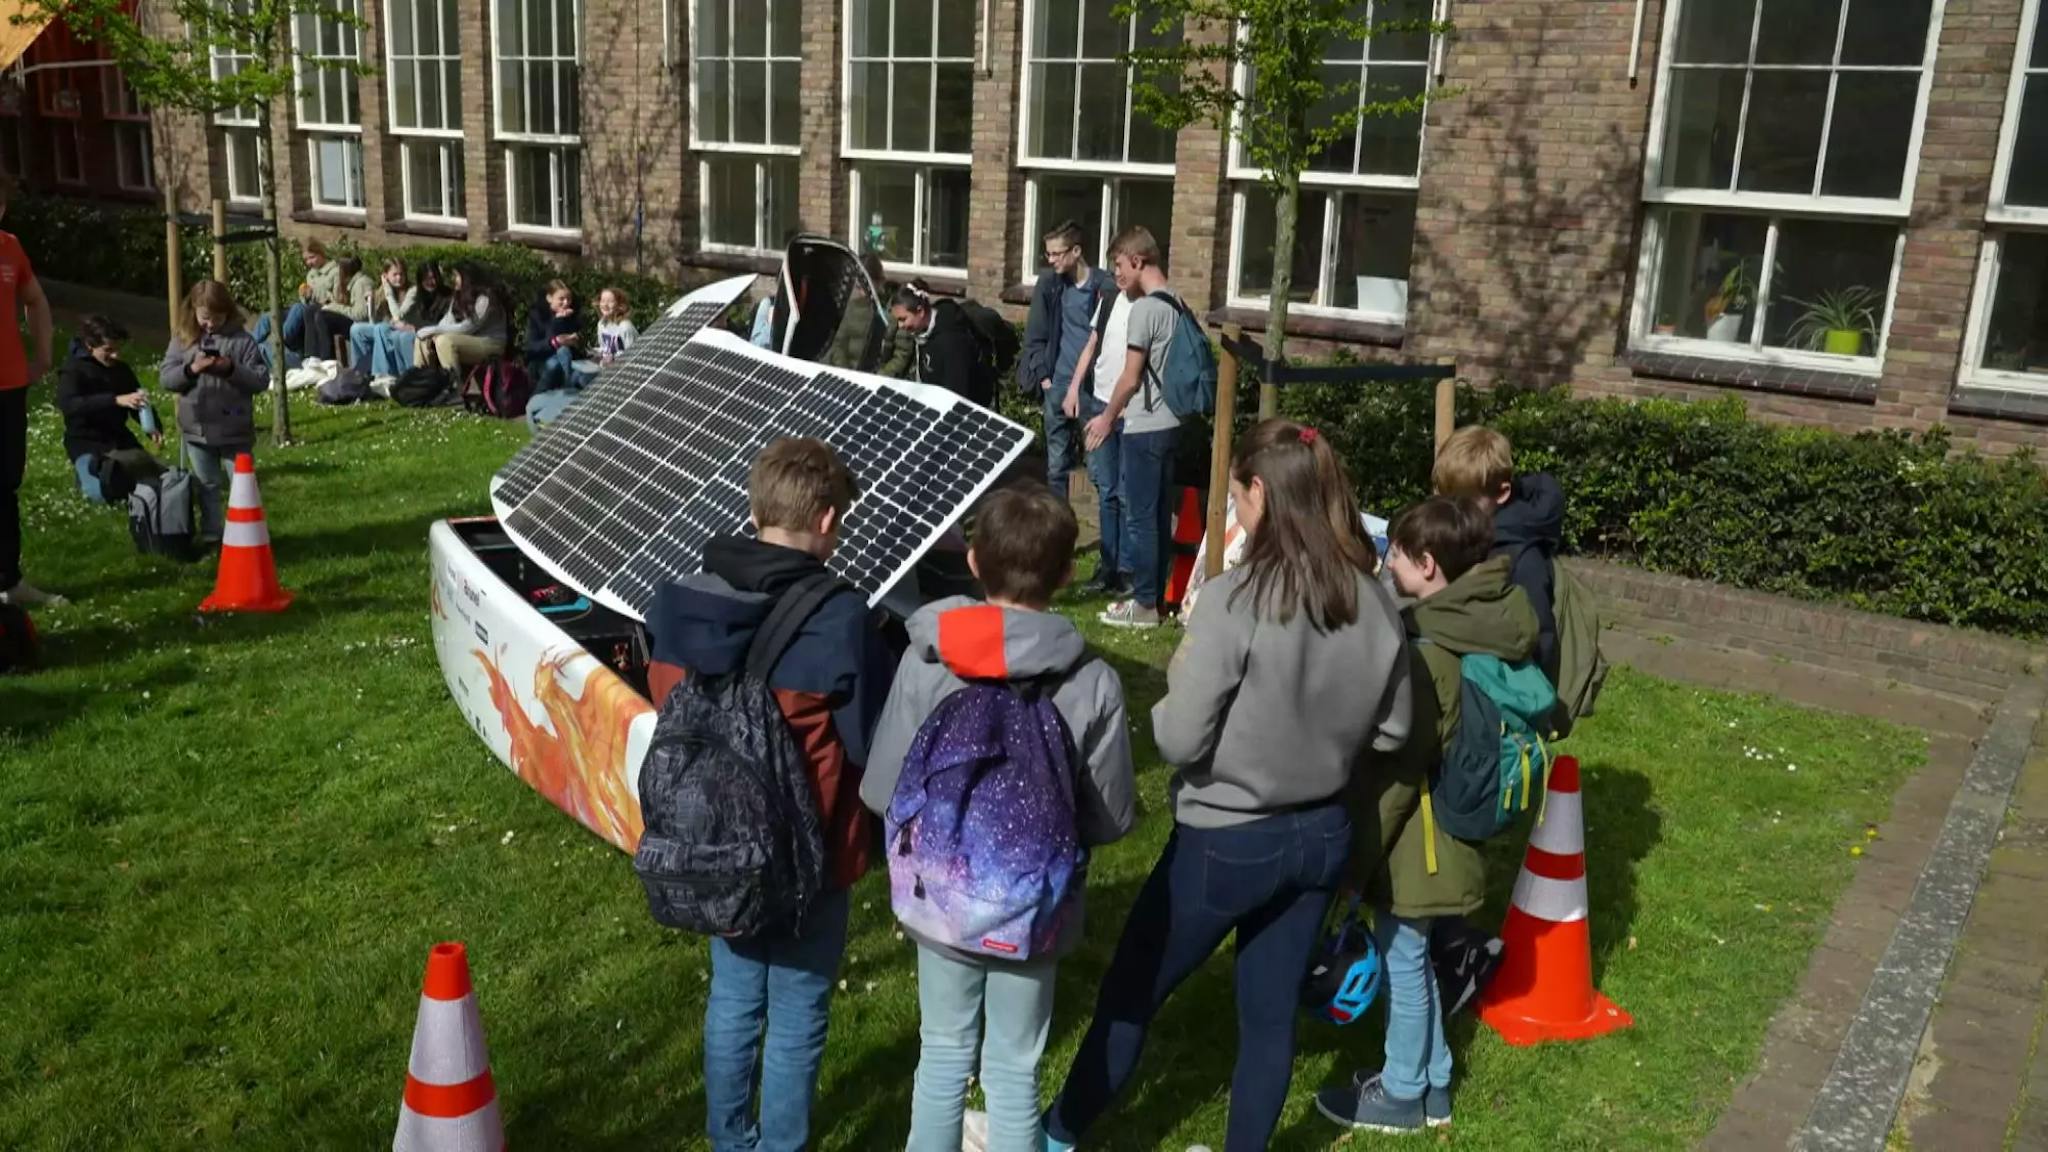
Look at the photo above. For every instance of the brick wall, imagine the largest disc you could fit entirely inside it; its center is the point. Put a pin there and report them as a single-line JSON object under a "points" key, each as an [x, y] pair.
{"points": [[995, 230]]}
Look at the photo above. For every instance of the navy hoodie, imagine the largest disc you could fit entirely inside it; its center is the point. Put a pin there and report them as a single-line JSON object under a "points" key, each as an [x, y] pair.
{"points": [[1529, 529], [831, 682]]}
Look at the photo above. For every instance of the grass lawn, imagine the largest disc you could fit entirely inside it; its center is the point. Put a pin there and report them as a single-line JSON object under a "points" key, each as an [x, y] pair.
{"points": [[226, 845]]}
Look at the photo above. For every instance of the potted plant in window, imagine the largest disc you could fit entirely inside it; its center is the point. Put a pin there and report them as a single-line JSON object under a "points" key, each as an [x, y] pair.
{"points": [[1727, 308], [1837, 322]]}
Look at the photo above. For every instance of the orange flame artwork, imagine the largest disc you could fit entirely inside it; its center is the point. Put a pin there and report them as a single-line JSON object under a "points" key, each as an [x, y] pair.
{"points": [[580, 766]]}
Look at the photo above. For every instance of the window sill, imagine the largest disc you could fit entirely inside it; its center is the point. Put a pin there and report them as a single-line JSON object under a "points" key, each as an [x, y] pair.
{"points": [[1780, 378], [1329, 328], [1018, 294], [570, 243], [2000, 404], [338, 217], [737, 262], [438, 229], [953, 286]]}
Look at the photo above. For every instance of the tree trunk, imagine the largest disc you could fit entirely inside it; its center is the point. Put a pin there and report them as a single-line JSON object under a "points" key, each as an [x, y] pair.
{"points": [[281, 410], [1286, 210]]}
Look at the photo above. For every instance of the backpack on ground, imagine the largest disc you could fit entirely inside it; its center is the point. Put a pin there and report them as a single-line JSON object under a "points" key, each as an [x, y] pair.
{"points": [[498, 388], [984, 855], [349, 386], [18, 647], [160, 510], [1581, 668], [733, 843], [1498, 761], [421, 388], [1188, 378], [996, 339]]}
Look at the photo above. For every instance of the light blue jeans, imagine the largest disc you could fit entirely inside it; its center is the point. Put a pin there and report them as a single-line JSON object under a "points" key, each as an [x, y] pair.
{"points": [[379, 349], [953, 994], [1418, 1059], [213, 468], [785, 984]]}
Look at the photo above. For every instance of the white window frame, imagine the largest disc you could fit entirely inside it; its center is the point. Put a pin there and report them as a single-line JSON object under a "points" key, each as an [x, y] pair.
{"points": [[893, 58], [442, 138], [230, 135], [1101, 226], [128, 120], [225, 64], [763, 243], [761, 153], [920, 263], [317, 122], [1776, 206], [2001, 220], [556, 145], [62, 129], [352, 177]]}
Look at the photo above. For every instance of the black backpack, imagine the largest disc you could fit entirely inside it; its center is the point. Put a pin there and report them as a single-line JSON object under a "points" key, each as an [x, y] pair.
{"points": [[17, 640], [997, 341], [734, 845], [423, 388]]}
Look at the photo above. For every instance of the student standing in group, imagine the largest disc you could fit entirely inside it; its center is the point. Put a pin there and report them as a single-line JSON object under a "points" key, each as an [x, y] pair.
{"points": [[1293, 667], [830, 684], [1062, 321], [99, 395], [20, 293], [1088, 393], [216, 369], [947, 354], [1022, 553], [471, 332]]}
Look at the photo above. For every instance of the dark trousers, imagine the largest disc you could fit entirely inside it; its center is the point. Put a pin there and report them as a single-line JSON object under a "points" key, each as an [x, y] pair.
{"points": [[1269, 881], [13, 463]]}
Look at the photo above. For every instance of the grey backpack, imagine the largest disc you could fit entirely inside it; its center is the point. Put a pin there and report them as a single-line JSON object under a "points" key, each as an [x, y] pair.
{"points": [[160, 514]]}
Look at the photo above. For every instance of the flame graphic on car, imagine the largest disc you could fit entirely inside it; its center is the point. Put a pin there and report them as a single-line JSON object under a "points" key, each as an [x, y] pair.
{"points": [[580, 766]]}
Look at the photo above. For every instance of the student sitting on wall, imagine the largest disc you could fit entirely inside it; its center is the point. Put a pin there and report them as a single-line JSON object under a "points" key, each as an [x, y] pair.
{"points": [[382, 346], [473, 330], [329, 325], [98, 395]]}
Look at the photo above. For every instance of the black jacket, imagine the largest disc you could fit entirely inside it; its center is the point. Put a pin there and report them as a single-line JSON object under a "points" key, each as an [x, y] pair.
{"points": [[93, 423], [1529, 529], [949, 356], [542, 326], [1042, 331]]}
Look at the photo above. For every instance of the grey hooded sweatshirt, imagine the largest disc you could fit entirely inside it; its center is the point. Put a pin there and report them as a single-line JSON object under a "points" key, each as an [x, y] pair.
{"points": [[959, 639], [1261, 717]]}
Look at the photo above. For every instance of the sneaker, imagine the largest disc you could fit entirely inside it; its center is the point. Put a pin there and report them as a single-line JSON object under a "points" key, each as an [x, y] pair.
{"points": [[1464, 968], [974, 1132], [27, 595], [1112, 587], [1368, 1107], [1436, 1102], [1128, 614]]}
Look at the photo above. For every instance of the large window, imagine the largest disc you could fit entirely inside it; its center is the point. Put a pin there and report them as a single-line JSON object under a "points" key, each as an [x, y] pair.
{"points": [[744, 118], [1355, 224], [1779, 178], [2008, 341], [1090, 155], [539, 103], [423, 61], [134, 163], [241, 139], [909, 127], [329, 114]]}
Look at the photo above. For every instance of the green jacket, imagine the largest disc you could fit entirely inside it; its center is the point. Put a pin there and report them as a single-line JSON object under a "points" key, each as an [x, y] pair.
{"points": [[1480, 612]]}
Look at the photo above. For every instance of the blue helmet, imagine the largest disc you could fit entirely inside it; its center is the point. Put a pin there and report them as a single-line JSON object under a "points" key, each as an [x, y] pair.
{"points": [[1345, 974]]}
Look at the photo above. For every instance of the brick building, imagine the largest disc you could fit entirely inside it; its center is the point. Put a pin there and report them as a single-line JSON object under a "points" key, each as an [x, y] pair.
{"points": [[1837, 209]]}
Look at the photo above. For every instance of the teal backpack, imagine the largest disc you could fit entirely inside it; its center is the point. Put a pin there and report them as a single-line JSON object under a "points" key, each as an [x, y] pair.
{"points": [[1188, 378], [1497, 762]]}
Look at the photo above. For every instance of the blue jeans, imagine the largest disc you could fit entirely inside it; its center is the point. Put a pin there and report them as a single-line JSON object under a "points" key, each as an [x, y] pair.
{"points": [[213, 468], [1105, 466], [1063, 439], [1270, 881], [1417, 1056], [554, 371], [786, 983], [1148, 514], [544, 407], [88, 479], [379, 349], [294, 333], [953, 994]]}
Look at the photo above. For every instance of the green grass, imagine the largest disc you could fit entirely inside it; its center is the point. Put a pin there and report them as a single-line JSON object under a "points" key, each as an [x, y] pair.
{"points": [[226, 845]]}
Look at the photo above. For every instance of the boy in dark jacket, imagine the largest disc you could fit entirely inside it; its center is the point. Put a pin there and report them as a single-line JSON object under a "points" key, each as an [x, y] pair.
{"points": [[1063, 307], [1022, 553], [830, 684], [1414, 872], [1528, 519], [98, 395]]}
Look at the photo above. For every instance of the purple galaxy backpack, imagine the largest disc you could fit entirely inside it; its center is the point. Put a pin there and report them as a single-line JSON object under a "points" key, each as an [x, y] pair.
{"points": [[983, 852]]}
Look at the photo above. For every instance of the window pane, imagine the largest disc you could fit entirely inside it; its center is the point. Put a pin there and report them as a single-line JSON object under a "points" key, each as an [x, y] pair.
{"points": [[511, 96], [870, 116], [398, 17], [1391, 145], [540, 99], [567, 35], [955, 108], [539, 41], [870, 28], [332, 169], [1798, 31], [1829, 288], [1147, 203], [1375, 241], [750, 29], [1151, 144], [570, 106], [428, 28], [1341, 94], [572, 188], [1782, 145], [2027, 181], [1701, 121], [946, 207], [1102, 119], [1708, 278], [1255, 268], [1868, 137], [404, 96], [714, 110], [888, 195], [1886, 32], [732, 201], [2017, 338], [1148, 34], [431, 106], [1103, 36], [782, 221], [956, 29], [1076, 198], [713, 35], [532, 188], [749, 102], [1709, 34], [913, 28], [428, 185], [1052, 111], [786, 36], [451, 85], [1402, 45], [1056, 25], [786, 107], [911, 114]]}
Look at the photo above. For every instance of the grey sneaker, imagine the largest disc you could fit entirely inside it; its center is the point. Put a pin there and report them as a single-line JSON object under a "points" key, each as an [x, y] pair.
{"points": [[27, 595], [1127, 614], [1367, 1106], [1436, 1102]]}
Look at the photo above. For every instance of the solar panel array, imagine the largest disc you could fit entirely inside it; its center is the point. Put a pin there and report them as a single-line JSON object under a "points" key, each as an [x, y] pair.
{"points": [[661, 467]]}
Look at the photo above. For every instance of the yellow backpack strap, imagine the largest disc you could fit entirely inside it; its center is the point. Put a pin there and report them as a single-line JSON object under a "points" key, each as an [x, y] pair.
{"points": [[1428, 832], [1523, 750], [1543, 805]]}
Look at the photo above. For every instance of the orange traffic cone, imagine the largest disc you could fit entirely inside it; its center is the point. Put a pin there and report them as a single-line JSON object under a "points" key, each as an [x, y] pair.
{"points": [[1544, 989], [248, 572], [1188, 526], [450, 1104]]}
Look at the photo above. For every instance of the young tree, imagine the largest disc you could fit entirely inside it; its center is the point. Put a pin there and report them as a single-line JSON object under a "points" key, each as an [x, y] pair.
{"points": [[1284, 112], [207, 56]]}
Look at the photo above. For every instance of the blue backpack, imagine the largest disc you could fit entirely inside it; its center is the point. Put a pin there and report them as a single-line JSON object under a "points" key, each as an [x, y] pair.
{"points": [[1188, 377], [983, 851], [1497, 760]]}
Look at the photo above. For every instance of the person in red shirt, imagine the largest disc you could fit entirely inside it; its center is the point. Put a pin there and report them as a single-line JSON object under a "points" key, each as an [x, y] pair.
{"points": [[19, 291]]}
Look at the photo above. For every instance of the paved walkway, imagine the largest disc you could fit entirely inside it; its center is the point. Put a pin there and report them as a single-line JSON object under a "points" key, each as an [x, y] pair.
{"points": [[146, 318]]}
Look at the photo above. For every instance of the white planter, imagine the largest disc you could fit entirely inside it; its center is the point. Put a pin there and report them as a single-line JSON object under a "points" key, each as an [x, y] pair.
{"points": [[1726, 328], [1383, 295]]}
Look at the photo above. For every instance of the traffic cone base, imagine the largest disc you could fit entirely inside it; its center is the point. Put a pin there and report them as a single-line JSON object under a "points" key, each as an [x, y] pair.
{"points": [[1189, 525], [450, 1102], [247, 580]]}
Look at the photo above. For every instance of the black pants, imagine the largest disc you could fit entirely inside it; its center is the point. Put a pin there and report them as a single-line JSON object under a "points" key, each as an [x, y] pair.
{"points": [[322, 326], [13, 462]]}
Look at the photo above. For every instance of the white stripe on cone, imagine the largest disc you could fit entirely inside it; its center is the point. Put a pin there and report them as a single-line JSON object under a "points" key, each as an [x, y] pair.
{"points": [[448, 1042], [246, 534], [1558, 901], [480, 1131], [243, 493], [1563, 830]]}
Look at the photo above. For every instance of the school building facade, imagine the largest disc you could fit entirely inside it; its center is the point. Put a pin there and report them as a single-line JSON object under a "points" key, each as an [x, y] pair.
{"points": [[1836, 209]]}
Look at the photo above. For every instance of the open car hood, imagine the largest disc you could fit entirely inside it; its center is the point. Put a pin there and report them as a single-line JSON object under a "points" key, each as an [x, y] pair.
{"points": [[827, 310]]}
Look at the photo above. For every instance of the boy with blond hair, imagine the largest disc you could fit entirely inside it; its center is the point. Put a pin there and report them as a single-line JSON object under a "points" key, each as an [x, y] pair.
{"points": [[1528, 519]]}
